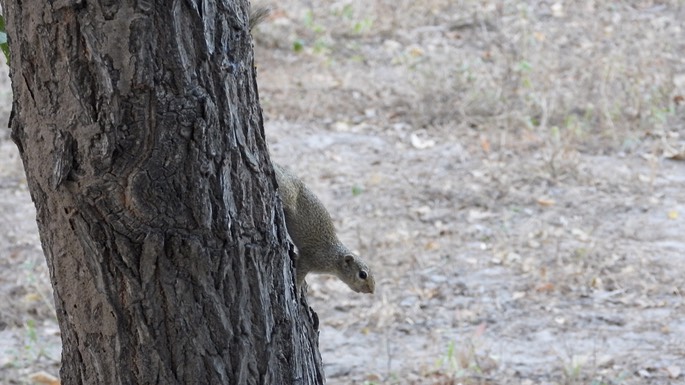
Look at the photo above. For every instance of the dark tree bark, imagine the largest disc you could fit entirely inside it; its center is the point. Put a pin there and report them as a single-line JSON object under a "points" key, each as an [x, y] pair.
{"points": [[140, 131]]}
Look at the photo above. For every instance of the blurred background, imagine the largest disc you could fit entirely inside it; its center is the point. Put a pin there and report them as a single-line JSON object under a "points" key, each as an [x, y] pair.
{"points": [[513, 172]]}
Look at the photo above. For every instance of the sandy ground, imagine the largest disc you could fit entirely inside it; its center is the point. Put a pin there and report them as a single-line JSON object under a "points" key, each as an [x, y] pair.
{"points": [[512, 171]]}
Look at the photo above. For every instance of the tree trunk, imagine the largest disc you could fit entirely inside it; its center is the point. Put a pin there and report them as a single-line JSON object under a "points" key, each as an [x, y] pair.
{"points": [[141, 134]]}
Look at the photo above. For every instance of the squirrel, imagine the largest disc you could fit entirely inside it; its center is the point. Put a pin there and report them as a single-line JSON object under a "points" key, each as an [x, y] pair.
{"points": [[310, 226], [311, 229]]}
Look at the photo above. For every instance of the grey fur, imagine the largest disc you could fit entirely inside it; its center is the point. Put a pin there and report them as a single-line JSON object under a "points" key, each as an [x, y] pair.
{"points": [[311, 229]]}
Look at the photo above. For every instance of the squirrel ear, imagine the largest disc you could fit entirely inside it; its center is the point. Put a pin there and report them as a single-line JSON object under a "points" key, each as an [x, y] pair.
{"points": [[349, 258]]}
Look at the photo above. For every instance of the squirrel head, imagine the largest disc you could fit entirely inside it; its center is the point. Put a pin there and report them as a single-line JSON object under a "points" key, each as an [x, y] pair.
{"points": [[356, 274]]}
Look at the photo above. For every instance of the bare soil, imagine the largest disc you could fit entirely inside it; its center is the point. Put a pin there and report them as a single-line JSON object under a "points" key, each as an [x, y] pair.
{"points": [[512, 171]]}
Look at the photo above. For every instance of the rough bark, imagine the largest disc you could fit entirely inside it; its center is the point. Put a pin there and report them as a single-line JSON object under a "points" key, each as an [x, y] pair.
{"points": [[140, 131]]}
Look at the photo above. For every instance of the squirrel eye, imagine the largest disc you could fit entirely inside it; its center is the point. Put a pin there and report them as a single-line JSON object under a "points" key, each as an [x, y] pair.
{"points": [[362, 274]]}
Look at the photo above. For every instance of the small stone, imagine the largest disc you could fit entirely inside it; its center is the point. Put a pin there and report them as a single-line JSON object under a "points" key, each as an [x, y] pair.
{"points": [[673, 371]]}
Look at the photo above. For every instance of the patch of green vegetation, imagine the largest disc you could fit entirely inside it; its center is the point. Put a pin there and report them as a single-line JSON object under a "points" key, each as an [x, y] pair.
{"points": [[357, 26], [460, 361], [32, 349], [298, 45], [448, 361], [357, 190], [319, 37], [321, 44], [311, 24], [4, 46]]}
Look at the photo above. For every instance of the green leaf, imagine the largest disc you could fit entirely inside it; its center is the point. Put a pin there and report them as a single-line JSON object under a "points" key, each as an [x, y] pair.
{"points": [[525, 66], [357, 190], [298, 45], [3, 39]]}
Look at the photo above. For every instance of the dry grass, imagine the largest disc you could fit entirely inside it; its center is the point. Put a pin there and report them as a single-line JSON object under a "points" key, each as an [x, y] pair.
{"points": [[595, 76]]}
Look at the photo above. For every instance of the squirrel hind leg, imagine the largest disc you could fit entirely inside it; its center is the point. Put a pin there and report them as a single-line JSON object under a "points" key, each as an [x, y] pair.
{"points": [[299, 277]]}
